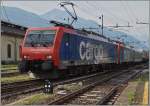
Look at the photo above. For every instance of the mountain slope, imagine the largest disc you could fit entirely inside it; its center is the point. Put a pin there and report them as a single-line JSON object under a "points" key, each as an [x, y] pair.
{"points": [[22, 17], [29, 19], [62, 16]]}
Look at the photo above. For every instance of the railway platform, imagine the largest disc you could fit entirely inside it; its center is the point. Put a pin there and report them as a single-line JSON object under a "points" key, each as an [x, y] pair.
{"points": [[136, 93]]}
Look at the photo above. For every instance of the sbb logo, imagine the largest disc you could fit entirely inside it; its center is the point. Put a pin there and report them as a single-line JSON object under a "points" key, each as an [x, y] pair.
{"points": [[90, 51]]}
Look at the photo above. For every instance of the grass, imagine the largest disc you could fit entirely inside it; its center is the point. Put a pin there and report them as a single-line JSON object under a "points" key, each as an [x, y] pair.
{"points": [[71, 87], [130, 97], [8, 68], [21, 77], [143, 77], [40, 98], [9, 65], [11, 70]]}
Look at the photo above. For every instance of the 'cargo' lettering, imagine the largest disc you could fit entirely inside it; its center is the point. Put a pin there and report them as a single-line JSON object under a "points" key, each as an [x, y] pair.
{"points": [[90, 51]]}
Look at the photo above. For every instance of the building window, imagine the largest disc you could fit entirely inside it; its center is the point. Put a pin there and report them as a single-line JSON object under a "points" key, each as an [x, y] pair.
{"points": [[9, 51]]}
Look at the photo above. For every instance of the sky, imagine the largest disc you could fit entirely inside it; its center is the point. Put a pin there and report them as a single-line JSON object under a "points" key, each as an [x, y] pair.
{"points": [[114, 12]]}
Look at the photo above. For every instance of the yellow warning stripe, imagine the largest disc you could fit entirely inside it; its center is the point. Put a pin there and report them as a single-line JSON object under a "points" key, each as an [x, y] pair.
{"points": [[145, 96]]}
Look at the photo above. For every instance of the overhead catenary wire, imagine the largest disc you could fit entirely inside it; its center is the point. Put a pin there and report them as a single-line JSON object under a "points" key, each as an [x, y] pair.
{"points": [[94, 7], [110, 14], [93, 15], [86, 11], [127, 12], [125, 21], [132, 18], [5, 12], [130, 15], [132, 12]]}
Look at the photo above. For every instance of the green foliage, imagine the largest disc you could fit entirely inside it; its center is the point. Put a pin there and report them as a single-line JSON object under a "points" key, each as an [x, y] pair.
{"points": [[9, 66], [34, 99], [21, 77], [143, 77], [130, 97]]}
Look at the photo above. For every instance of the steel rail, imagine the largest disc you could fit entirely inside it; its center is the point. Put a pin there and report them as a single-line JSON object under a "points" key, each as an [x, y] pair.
{"points": [[23, 84], [9, 74], [62, 99], [69, 96], [106, 97]]}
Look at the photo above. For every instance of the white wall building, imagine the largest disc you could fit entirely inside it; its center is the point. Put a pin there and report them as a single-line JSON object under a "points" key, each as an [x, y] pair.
{"points": [[11, 37]]}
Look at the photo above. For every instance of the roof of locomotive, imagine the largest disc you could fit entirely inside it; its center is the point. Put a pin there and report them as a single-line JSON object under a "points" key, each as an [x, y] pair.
{"points": [[84, 33], [81, 32]]}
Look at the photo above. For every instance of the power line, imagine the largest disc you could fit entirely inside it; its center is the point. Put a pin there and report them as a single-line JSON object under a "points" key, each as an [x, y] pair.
{"points": [[142, 23], [117, 26], [132, 19], [126, 9], [102, 20], [110, 13], [86, 11], [130, 10], [5, 12]]}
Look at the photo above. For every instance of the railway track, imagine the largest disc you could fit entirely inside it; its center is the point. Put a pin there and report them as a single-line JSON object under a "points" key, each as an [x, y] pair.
{"points": [[9, 90], [9, 74], [98, 92], [17, 88], [121, 82], [12, 90]]}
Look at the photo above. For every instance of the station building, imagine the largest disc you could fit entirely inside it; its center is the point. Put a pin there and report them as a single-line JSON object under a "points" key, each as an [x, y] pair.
{"points": [[11, 37]]}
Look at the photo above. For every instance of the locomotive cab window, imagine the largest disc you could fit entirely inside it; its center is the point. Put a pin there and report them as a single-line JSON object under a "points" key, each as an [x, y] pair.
{"points": [[41, 38]]}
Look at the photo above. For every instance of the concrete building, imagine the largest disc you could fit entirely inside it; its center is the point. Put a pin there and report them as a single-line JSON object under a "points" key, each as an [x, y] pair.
{"points": [[11, 37]]}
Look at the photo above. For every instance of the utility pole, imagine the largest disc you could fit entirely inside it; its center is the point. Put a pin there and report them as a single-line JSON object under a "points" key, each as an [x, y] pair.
{"points": [[68, 20], [102, 22]]}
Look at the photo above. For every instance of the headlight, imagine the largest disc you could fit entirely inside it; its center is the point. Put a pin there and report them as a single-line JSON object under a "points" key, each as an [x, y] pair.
{"points": [[49, 57], [25, 57]]}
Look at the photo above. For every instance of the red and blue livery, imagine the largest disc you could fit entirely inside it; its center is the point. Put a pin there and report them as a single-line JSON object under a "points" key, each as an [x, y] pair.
{"points": [[62, 50]]}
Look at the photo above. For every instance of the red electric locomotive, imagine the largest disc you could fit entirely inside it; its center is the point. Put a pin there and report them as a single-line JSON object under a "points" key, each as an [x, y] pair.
{"points": [[62, 50]]}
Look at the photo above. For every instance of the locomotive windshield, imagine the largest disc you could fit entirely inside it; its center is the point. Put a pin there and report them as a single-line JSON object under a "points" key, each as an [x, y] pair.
{"points": [[41, 38]]}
